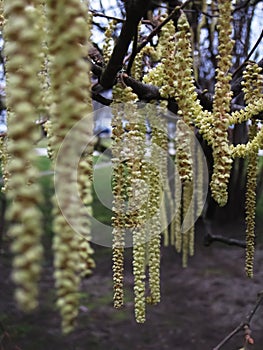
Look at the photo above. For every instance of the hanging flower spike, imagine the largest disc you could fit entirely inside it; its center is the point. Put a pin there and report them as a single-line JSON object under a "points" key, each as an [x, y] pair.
{"points": [[251, 187], [22, 45], [5, 157], [184, 165], [108, 43], [85, 169], [159, 157], [183, 81], [156, 178], [135, 221], [221, 106], [252, 87], [69, 35], [162, 74], [154, 230], [119, 198], [252, 109]]}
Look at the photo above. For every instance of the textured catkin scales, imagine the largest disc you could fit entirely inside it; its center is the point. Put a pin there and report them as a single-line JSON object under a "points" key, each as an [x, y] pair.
{"points": [[136, 206], [4, 157], [221, 106], [108, 44], [119, 194], [85, 170], [68, 37], [252, 87], [251, 187], [136, 210], [22, 45]]}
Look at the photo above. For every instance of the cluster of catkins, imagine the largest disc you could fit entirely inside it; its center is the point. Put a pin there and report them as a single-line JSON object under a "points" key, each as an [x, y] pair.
{"points": [[46, 74], [173, 74]]}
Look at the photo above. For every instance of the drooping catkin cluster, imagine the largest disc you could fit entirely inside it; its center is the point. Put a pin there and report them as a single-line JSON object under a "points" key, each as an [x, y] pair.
{"points": [[154, 229], [252, 87], [137, 189], [163, 74], [22, 47], [221, 106], [174, 76], [188, 109], [119, 198], [129, 198], [68, 38]]}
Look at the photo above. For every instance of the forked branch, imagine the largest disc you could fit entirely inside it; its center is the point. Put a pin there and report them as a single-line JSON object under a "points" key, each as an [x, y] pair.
{"points": [[244, 325]]}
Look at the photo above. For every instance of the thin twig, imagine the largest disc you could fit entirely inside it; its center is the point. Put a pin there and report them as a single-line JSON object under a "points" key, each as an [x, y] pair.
{"points": [[159, 27], [255, 46], [99, 14], [242, 325], [117, 19], [249, 55]]}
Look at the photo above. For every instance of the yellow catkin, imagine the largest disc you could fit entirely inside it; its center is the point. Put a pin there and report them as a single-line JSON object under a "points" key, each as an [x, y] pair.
{"points": [[187, 235], [45, 99], [85, 179], [68, 38], [85, 168], [130, 196], [184, 165], [50, 138], [147, 53], [119, 198], [163, 74], [252, 109], [108, 42], [159, 157], [251, 187], [221, 107], [199, 182], [183, 86], [183, 157], [243, 150], [22, 45], [177, 220], [157, 179], [137, 197], [202, 23], [4, 156], [154, 228], [252, 87]]}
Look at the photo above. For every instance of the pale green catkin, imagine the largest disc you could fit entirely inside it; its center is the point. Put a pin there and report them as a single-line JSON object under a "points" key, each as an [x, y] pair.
{"points": [[22, 45]]}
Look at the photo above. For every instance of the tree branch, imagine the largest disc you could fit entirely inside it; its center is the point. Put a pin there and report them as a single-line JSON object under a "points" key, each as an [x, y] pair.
{"points": [[157, 29], [117, 19], [209, 239], [243, 325], [135, 12]]}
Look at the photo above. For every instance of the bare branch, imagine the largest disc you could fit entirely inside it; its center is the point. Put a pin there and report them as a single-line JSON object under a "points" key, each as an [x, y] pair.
{"points": [[243, 325], [209, 239], [128, 31]]}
